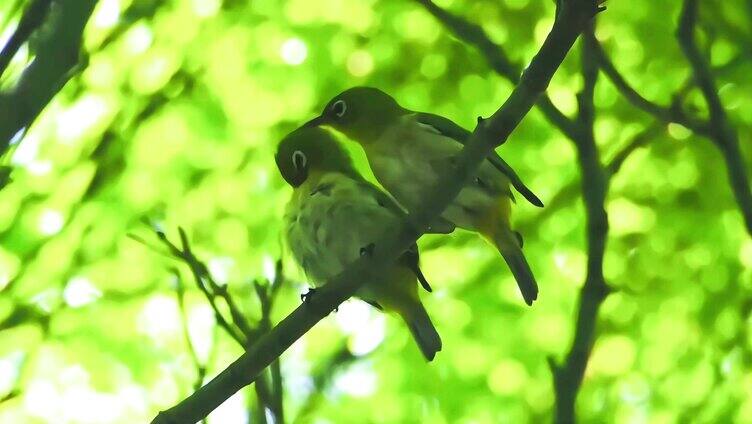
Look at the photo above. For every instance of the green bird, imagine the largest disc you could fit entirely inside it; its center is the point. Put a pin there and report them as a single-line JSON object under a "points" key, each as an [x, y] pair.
{"points": [[335, 215], [408, 150]]}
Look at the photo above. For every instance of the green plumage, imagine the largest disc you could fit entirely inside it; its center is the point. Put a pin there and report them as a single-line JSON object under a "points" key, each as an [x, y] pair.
{"points": [[408, 151], [335, 215]]}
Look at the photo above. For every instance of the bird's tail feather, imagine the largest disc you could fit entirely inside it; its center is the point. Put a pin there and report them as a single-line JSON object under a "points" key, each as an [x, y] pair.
{"points": [[510, 250], [423, 330]]}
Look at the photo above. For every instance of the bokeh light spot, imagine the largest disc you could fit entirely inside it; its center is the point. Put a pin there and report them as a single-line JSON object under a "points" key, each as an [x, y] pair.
{"points": [[293, 51], [360, 63], [106, 14], [358, 381], [80, 291], [507, 377], [50, 222]]}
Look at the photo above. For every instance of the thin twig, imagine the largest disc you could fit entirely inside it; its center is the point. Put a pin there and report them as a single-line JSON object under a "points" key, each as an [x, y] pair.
{"points": [[667, 114], [639, 140], [571, 191], [198, 271], [10, 396], [497, 59], [200, 368], [571, 17], [16, 388], [269, 395], [717, 129], [265, 325], [204, 277]]}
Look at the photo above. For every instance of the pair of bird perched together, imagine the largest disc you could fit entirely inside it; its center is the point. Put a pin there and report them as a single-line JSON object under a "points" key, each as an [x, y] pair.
{"points": [[334, 214]]}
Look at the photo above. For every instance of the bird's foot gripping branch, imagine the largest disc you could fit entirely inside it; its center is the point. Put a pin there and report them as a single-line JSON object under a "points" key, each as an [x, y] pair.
{"points": [[571, 18]]}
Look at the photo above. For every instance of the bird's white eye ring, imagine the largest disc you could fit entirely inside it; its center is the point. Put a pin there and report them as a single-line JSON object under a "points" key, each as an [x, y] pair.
{"points": [[299, 160], [339, 108]]}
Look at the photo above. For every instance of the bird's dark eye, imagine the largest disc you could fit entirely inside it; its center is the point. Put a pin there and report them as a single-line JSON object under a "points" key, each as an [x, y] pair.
{"points": [[339, 108], [299, 160]]}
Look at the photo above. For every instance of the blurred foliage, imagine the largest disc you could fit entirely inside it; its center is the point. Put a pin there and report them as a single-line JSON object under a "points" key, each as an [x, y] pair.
{"points": [[174, 121]]}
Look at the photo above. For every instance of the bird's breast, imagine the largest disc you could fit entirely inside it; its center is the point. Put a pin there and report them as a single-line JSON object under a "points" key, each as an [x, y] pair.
{"points": [[327, 228]]}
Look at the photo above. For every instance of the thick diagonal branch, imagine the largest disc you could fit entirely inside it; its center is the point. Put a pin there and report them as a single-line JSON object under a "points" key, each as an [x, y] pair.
{"points": [[31, 20], [56, 56], [571, 18]]}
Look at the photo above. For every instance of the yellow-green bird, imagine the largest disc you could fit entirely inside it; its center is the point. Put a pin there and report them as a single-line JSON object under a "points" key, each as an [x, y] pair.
{"points": [[335, 215], [408, 150]]}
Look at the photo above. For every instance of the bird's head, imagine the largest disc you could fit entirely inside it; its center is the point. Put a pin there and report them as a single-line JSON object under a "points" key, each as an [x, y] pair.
{"points": [[310, 149], [361, 113]]}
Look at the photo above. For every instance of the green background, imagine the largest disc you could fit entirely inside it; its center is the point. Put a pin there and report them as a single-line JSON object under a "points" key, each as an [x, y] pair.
{"points": [[174, 120]]}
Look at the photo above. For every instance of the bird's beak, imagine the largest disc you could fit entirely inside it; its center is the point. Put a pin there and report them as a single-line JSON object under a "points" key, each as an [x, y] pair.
{"points": [[315, 122]]}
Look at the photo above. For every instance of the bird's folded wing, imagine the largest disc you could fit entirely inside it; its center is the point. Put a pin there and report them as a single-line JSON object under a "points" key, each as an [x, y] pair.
{"points": [[438, 226], [449, 129]]}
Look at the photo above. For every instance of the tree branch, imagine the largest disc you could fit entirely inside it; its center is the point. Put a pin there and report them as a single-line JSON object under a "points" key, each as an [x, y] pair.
{"points": [[56, 57], [570, 191], [200, 275], [263, 292], [717, 129], [269, 395], [497, 59], [568, 376], [30, 21], [200, 368], [666, 114], [572, 16], [10, 396], [721, 132]]}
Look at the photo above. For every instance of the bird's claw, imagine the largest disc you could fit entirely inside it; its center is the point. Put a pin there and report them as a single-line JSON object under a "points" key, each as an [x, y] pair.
{"points": [[306, 297]]}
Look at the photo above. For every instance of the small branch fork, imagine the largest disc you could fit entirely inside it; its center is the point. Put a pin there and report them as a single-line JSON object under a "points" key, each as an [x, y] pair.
{"points": [[269, 388]]}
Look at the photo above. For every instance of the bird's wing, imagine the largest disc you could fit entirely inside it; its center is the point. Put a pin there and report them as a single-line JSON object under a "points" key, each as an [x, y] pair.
{"points": [[448, 128], [411, 257], [438, 226]]}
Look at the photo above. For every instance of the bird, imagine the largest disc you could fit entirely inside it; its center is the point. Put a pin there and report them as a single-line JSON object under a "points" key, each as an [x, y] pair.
{"points": [[335, 215], [407, 151]]}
